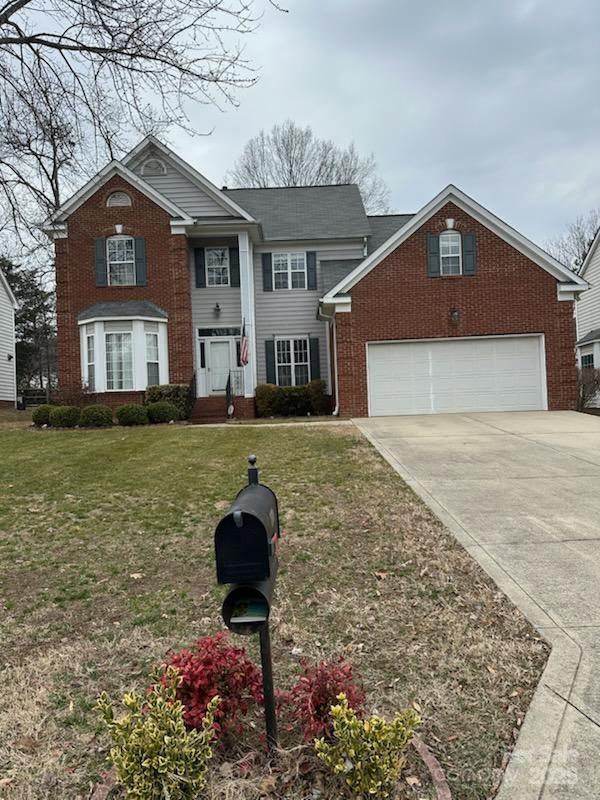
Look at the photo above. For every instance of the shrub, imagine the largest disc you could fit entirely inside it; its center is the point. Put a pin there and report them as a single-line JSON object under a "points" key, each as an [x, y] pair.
{"points": [[154, 755], [132, 414], [41, 415], [176, 393], [319, 401], [216, 668], [162, 411], [368, 754], [292, 401], [588, 386], [96, 417], [266, 394], [64, 416], [316, 690], [72, 396]]}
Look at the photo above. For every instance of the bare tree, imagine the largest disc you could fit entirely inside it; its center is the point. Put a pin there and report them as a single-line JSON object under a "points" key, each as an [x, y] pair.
{"points": [[588, 386], [572, 246], [78, 77], [289, 155]]}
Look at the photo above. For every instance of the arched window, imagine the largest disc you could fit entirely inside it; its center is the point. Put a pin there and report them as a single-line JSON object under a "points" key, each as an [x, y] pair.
{"points": [[153, 166], [450, 253], [120, 261], [118, 199]]}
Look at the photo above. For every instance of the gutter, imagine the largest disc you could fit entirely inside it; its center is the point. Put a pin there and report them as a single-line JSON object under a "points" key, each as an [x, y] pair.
{"points": [[331, 319]]}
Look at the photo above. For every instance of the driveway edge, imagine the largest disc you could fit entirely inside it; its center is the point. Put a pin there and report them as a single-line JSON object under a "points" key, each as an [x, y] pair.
{"points": [[526, 773]]}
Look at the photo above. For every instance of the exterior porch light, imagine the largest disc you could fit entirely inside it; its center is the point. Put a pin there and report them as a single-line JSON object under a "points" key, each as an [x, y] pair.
{"points": [[217, 310], [455, 316]]}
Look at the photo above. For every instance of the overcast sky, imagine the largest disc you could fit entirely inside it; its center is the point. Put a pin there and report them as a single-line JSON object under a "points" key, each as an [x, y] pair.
{"points": [[500, 97]]}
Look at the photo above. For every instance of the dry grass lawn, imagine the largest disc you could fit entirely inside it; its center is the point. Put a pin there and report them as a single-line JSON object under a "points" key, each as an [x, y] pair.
{"points": [[106, 562]]}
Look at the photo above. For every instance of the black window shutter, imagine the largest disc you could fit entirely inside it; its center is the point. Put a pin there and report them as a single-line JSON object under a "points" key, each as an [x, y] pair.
{"points": [[267, 268], [469, 243], [270, 359], [101, 272], [140, 262], [311, 270], [433, 255], [234, 266], [315, 362], [199, 267]]}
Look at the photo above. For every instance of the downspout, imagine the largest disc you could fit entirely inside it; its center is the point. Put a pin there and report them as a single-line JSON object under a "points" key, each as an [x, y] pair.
{"points": [[331, 320]]}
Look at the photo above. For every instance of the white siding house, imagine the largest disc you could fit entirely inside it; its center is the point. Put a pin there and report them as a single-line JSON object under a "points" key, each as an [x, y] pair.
{"points": [[588, 310], [8, 379]]}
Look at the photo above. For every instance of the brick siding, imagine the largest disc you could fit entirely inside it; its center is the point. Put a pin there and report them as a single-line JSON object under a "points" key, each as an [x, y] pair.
{"points": [[508, 295]]}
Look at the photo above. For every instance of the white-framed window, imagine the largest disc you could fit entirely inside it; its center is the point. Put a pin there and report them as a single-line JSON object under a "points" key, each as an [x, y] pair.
{"points": [[292, 361], [118, 199], [289, 271], [119, 361], [152, 358], [120, 260], [587, 361], [450, 253], [90, 358], [217, 266]]}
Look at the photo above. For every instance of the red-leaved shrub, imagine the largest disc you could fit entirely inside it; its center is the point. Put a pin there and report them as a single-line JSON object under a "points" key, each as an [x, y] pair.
{"points": [[316, 690], [215, 667]]}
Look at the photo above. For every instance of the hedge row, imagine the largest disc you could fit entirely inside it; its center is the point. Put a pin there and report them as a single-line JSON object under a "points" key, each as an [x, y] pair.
{"points": [[102, 416], [292, 401]]}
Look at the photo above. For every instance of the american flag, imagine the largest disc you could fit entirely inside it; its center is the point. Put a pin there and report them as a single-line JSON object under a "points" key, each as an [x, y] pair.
{"points": [[244, 346]]}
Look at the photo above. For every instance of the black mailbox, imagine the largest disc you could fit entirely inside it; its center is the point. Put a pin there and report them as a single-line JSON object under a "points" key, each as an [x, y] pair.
{"points": [[246, 555]]}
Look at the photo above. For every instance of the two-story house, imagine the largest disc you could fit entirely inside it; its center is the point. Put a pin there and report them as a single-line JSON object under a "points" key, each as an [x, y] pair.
{"points": [[159, 273], [8, 375]]}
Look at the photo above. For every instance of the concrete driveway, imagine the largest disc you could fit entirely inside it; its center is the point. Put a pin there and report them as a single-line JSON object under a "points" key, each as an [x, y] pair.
{"points": [[521, 492]]}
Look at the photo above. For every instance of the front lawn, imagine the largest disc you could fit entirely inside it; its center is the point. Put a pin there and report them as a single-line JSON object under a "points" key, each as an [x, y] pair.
{"points": [[106, 562]]}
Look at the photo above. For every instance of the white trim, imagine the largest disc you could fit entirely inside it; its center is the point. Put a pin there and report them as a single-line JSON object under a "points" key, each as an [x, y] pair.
{"points": [[293, 364], [129, 318], [453, 194], [9, 292], [447, 234], [189, 171], [590, 254], [208, 266], [248, 309], [92, 186], [540, 336], [304, 270]]}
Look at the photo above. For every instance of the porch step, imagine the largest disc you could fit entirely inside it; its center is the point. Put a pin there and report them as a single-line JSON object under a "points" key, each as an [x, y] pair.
{"points": [[208, 410]]}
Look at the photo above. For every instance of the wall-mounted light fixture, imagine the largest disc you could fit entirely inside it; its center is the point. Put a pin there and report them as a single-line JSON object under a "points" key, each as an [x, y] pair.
{"points": [[10, 356], [455, 316], [217, 310]]}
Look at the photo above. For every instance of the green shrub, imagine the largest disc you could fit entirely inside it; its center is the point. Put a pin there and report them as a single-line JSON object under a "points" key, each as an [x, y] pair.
{"points": [[162, 411], [41, 415], [96, 417], [176, 393], [132, 414], [319, 401], [292, 401], [64, 416], [368, 754], [266, 394], [154, 755]]}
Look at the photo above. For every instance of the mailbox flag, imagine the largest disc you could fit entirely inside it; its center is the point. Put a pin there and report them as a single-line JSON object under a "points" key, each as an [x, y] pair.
{"points": [[244, 346]]}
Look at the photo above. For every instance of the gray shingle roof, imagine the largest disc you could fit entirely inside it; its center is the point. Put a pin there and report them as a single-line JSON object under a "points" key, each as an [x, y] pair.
{"points": [[333, 271], [382, 227], [124, 308], [306, 212], [592, 336]]}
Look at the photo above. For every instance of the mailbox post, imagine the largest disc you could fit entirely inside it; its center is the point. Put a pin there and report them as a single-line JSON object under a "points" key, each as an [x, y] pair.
{"points": [[246, 544]]}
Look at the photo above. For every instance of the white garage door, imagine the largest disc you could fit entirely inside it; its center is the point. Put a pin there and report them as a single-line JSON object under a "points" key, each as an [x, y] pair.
{"points": [[502, 373]]}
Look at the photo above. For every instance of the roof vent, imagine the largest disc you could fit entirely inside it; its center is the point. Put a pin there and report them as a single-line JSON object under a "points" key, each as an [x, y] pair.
{"points": [[223, 188]]}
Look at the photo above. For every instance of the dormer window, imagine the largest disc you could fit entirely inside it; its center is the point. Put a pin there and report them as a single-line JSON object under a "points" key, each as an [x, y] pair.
{"points": [[118, 199], [154, 166], [450, 253], [120, 261]]}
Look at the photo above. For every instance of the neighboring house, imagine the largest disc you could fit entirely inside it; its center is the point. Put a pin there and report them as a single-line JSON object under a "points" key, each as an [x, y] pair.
{"points": [[588, 310], [158, 272], [8, 374]]}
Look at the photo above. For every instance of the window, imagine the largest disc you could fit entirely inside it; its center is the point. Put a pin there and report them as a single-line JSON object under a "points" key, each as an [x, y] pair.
{"points": [[152, 359], [120, 261], [217, 266], [118, 199], [119, 361], [289, 270], [292, 361], [587, 361], [450, 253], [91, 366], [153, 166]]}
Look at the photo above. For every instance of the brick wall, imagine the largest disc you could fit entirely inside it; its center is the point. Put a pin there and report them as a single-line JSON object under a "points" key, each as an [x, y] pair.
{"points": [[167, 279], [509, 294]]}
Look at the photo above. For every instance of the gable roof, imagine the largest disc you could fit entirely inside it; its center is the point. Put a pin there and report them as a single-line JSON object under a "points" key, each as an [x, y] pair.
{"points": [[9, 292], [227, 203], [306, 212], [473, 208], [106, 173], [592, 336], [590, 254]]}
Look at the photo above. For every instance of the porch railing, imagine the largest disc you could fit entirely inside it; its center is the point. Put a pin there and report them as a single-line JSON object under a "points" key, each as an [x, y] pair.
{"points": [[237, 381]]}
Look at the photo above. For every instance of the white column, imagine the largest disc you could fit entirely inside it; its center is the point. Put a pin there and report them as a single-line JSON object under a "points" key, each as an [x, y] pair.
{"points": [[247, 301], [596, 355], [140, 372], [163, 353], [100, 357]]}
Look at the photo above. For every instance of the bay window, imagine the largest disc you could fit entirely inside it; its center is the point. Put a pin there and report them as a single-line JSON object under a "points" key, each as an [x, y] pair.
{"points": [[90, 358], [119, 359], [152, 359]]}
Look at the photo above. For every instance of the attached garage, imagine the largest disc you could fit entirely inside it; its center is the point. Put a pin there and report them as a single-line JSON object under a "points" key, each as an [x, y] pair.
{"points": [[436, 376]]}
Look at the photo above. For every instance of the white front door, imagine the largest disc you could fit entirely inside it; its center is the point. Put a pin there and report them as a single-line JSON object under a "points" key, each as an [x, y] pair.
{"points": [[218, 364]]}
